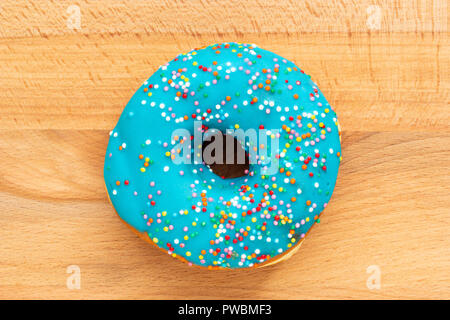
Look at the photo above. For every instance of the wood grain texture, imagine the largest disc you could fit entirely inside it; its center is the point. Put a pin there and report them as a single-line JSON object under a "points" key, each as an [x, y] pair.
{"points": [[62, 90]]}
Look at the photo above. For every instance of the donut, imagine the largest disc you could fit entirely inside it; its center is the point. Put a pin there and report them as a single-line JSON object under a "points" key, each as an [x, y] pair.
{"points": [[255, 218]]}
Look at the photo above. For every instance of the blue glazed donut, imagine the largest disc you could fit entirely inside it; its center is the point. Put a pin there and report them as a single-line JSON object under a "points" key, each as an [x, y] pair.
{"points": [[185, 208]]}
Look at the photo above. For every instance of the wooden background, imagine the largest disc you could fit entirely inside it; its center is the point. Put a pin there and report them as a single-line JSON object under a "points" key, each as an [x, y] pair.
{"points": [[384, 65]]}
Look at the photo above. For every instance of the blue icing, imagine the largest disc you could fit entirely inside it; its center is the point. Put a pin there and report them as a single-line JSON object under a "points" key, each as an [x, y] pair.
{"points": [[187, 209]]}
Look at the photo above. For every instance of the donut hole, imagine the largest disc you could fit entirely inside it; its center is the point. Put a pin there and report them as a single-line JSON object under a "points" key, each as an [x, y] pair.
{"points": [[225, 156]]}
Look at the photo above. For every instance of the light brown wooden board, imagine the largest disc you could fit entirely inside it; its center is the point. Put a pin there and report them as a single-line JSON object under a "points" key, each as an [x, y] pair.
{"points": [[62, 90]]}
